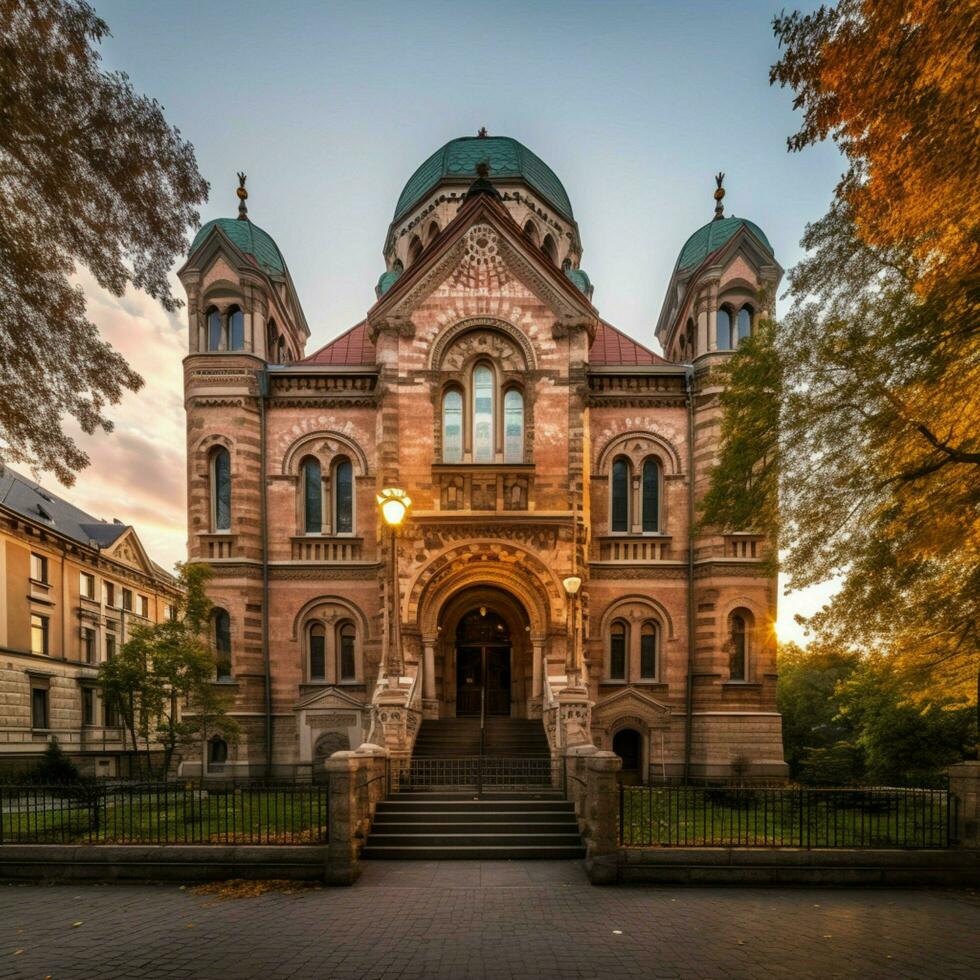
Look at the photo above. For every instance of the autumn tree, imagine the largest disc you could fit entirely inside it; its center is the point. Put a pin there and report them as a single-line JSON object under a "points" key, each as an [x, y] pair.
{"points": [[877, 432], [93, 176]]}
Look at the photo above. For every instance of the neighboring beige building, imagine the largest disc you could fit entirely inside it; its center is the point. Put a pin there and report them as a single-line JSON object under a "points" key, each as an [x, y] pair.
{"points": [[539, 444], [71, 587]]}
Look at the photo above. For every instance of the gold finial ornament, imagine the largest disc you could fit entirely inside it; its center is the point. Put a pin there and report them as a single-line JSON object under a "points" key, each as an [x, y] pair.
{"points": [[242, 197], [719, 197]]}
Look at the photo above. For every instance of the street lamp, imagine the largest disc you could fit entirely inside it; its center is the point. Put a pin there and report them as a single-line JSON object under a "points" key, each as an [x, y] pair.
{"points": [[572, 584], [394, 505]]}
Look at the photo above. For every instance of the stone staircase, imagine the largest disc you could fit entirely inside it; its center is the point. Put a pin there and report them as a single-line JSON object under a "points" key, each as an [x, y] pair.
{"points": [[455, 826], [506, 738]]}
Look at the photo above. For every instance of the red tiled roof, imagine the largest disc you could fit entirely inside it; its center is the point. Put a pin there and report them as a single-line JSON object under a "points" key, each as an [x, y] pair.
{"points": [[613, 347], [350, 349]]}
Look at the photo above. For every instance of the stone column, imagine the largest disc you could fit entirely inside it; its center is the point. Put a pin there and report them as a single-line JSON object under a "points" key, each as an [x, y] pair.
{"points": [[964, 784], [602, 805], [538, 669], [429, 670]]}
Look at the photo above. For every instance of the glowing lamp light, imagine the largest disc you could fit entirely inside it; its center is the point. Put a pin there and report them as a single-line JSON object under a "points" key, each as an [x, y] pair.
{"points": [[572, 584], [394, 504]]}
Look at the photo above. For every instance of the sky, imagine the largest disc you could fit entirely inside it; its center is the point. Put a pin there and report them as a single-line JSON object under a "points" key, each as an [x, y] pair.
{"points": [[330, 107]]}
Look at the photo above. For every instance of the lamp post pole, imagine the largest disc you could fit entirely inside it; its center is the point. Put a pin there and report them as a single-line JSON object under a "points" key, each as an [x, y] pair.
{"points": [[572, 584], [394, 505]]}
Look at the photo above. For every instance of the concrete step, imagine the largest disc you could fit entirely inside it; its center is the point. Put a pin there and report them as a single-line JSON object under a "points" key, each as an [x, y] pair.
{"points": [[459, 806], [468, 818], [502, 852], [385, 839], [407, 828]]}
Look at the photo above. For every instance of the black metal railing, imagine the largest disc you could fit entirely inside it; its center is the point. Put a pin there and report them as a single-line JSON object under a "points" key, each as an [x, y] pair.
{"points": [[164, 813], [686, 816], [476, 773]]}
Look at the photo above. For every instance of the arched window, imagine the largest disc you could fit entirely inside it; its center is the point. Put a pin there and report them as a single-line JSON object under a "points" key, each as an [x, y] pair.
{"points": [[550, 248], [236, 329], [281, 351], [739, 646], [272, 337], [483, 414], [689, 341], [452, 426], [217, 751], [414, 249], [620, 495], [531, 230], [433, 230], [317, 652], [744, 321], [312, 496], [651, 495], [513, 426], [343, 496], [724, 331], [648, 652], [617, 650], [346, 660], [214, 329], [220, 490], [221, 626]]}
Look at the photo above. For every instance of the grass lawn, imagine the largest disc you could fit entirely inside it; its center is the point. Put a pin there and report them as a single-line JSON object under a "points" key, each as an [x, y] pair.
{"points": [[154, 816], [694, 817]]}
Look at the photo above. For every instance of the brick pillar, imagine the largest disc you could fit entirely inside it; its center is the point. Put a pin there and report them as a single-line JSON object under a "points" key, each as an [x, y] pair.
{"points": [[602, 817], [964, 784]]}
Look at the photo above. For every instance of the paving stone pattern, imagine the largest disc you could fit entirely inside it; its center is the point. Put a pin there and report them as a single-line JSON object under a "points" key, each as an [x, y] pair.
{"points": [[494, 919]]}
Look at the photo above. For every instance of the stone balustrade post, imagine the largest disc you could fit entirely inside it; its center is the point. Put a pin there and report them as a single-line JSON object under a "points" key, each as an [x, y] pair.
{"points": [[357, 782], [602, 807], [964, 784]]}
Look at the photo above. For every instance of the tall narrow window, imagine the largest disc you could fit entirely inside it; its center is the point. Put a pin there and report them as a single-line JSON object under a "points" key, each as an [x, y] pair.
{"points": [[483, 414], [221, 489], [39, 568], [312, 496], [347, 667], [39, 635], [724, 333], [222, 643], [513, 427], [620, 495], [617, 652], [86, 585], [39, 707], [318, 652], [214, 330], [88, 644], [452, 427], [236, 329], [343, 491], [651, 495], [648, 652], [738, 644], [88, 706], [744, 321]]}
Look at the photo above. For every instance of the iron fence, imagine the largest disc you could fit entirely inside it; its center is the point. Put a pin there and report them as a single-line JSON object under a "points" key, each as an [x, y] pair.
{"points": [[685, 816], [164, 813], [476, 773]]}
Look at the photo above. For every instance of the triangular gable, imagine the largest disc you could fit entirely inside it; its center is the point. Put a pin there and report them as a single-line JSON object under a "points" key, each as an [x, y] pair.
{"points": [[352, 348], [329, 697], [447, 252], [128, 550], [611, 347], [630, 700]]}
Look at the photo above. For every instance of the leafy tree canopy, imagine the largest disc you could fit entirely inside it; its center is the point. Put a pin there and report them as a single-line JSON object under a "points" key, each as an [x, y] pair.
{"points": [[91, 175]]}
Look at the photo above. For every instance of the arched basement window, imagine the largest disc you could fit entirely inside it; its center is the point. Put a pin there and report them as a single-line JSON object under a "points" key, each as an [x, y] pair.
{"points": [[620, 495], [318, 652], [236, 329], [214, 330], [343, 484], [452, 427], [222, 643], [483, 414], [513, 427], [744, 321], [221, 490], [347, 667], [739, 647], [724, 331], [648, 652], [217, 751], [312, 496], [617, 651], [651, 495]]}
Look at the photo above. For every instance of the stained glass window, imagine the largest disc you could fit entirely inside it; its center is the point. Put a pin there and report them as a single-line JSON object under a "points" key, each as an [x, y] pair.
{"points": [[513, 427], [221, 489], [222, 643], [483, 415], [343, 483], [318, 652], [738, 647], [651, 495], [452, 427], [620, 495], [312, 495]]}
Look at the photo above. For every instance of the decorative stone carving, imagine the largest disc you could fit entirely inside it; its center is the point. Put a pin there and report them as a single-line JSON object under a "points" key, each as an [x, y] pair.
{"points": [[486, 342]]}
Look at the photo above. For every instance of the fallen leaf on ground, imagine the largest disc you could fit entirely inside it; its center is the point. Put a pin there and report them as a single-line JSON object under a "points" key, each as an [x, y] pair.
{"points": [[75, 925], [246, 888]]}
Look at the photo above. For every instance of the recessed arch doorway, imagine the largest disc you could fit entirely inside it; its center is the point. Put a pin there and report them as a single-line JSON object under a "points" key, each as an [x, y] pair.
{"points": [[483, 654]]}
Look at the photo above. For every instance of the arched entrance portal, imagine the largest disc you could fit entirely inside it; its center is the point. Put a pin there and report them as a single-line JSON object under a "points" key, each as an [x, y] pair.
{"points": [[483, 652], [484, 655], [629, 747]]}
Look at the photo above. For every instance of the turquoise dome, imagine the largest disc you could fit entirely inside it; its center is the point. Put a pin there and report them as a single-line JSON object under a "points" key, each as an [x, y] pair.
{"points": [[387, 280], [580, 279], [506, 157], [248, 238], [712, 236]]}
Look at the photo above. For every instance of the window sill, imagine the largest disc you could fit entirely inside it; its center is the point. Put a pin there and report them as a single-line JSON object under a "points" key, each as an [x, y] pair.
{"points": [[640, 683], [225, 682], [736, 684]]}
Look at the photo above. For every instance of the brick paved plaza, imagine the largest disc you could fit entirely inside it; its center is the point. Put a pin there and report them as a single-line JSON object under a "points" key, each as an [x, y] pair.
{"points": [[486, 920]]}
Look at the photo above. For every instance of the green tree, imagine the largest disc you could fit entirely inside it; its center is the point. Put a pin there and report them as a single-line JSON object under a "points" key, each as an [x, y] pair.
{"points": [[163, 678], [91, 175]]}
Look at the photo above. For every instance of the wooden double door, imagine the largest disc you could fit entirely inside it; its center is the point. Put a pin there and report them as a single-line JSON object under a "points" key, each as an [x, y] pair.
{"points": [[483, 678]]}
